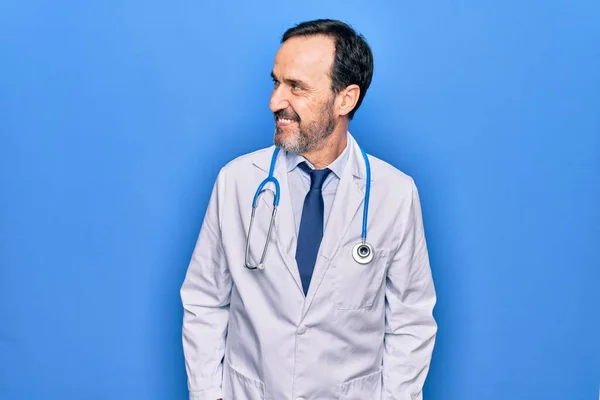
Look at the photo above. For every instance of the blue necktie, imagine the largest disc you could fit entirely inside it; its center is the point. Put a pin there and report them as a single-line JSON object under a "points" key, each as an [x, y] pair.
{"points": [[311, 225]]}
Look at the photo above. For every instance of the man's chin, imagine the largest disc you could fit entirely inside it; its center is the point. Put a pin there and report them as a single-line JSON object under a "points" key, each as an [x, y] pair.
{"points": [[285, 140]]}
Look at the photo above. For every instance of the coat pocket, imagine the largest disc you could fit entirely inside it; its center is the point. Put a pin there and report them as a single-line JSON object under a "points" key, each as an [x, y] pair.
{"points": [[355, 285], [238, 386], [362, 388]]}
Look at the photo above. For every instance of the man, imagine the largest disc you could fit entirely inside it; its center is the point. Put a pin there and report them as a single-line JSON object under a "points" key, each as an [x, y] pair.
{"points": [[314, 323]]}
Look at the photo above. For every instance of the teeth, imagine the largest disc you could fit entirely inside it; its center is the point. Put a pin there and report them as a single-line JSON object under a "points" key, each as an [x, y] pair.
{"points": [[285, 120]]}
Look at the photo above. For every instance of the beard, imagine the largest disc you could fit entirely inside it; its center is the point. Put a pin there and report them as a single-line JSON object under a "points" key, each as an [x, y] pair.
{"points": [[308, 134]]}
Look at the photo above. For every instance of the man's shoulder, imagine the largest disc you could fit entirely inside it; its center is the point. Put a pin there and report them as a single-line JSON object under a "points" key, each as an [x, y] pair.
{"points": [[244, 161], [250, 157], [387, 174]]}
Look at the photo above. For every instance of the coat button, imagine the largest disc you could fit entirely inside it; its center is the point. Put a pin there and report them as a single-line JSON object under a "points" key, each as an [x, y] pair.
{"points": [[301, 331]]}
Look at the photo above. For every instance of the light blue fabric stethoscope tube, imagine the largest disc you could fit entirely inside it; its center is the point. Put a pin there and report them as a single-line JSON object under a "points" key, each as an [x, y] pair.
{"points": [[362, 252]]}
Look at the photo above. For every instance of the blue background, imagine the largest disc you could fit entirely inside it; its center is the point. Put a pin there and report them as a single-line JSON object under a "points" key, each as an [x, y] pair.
{"points": [[116, 116]]}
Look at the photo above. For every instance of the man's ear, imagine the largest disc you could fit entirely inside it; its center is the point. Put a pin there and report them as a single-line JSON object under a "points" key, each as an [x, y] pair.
{"points": [[348, 99]]}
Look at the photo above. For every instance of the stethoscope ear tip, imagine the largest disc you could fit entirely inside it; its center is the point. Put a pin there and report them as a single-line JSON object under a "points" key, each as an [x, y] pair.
{"points": [[260, 266]]}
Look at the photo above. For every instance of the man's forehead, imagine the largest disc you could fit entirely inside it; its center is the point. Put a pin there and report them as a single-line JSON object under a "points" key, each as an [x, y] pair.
{"points": [[305, 55]]}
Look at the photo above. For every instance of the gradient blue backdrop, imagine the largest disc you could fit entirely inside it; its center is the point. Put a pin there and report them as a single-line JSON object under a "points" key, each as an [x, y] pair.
{"points": [[116, 116]]}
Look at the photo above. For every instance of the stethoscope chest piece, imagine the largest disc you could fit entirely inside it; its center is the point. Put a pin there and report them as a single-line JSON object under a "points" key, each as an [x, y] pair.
{"points": [[362, 253]]}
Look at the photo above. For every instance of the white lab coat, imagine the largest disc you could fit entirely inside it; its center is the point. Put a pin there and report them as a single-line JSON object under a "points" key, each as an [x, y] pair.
{"points": [[362, 332]]}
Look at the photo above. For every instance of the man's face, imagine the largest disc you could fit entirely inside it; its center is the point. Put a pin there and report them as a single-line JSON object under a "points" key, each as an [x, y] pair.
{"points": [[302, 100]]}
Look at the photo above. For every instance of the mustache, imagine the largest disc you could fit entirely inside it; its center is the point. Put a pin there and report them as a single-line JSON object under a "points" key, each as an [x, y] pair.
{"points": [[288, 114]]}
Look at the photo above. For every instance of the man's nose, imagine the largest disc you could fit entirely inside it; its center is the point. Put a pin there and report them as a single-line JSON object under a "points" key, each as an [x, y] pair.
{"points": [[278, 99]]}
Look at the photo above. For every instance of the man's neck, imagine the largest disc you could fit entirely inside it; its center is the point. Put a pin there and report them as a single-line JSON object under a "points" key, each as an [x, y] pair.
{"points": [[327, 151]]}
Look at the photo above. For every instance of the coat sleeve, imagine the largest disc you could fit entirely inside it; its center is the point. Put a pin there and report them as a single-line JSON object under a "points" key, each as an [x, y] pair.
{"points": [[205, 295], [410, 328]]}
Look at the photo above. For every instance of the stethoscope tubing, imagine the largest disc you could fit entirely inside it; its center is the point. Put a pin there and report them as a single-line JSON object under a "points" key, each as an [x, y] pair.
{"points": [[359, 249]]}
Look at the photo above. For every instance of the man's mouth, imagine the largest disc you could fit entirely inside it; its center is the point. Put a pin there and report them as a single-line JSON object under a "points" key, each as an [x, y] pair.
{"points": [[285, 118], [283, 122]]}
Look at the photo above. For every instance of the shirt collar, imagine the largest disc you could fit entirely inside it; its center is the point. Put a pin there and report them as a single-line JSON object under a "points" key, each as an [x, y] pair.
{"points": [[337, 166]]}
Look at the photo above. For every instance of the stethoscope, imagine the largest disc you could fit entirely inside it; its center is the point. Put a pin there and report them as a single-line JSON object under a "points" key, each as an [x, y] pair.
{"points": [[362, 253]]}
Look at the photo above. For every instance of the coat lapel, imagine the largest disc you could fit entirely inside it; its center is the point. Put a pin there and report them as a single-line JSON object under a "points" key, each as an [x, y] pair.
{"points": [[284, 230]]}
